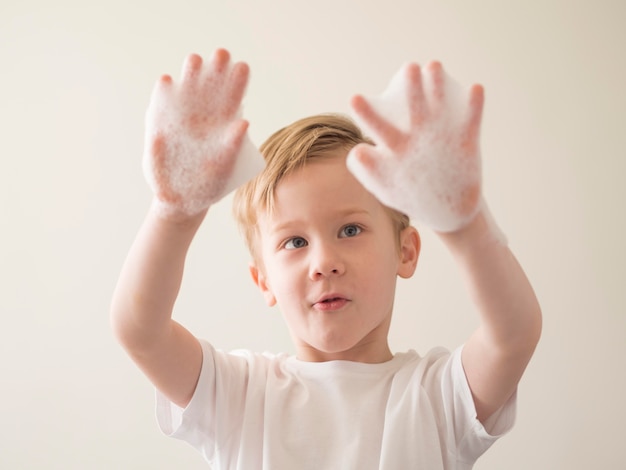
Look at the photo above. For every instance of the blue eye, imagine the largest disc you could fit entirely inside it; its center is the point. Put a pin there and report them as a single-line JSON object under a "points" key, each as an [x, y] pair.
{"points": [[296, 242], [350, 231]]}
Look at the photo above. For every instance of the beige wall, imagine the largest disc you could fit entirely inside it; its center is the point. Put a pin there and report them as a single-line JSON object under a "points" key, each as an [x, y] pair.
{"points": [[74, 84]]}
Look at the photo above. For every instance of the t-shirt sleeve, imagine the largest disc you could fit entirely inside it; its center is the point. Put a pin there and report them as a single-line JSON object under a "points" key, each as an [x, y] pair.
{"points": [[223, 379], [191, 424], [472, 436]]}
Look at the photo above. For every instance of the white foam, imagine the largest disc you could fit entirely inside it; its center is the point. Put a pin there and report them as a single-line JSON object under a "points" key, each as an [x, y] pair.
{"points": [[193, 171], [392, 102], [425, 174]]}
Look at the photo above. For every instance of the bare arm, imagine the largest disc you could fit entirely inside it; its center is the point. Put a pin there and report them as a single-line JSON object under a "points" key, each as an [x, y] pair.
{"points": [[496, 355], [428, 166], [141, 311], [194, 137]]}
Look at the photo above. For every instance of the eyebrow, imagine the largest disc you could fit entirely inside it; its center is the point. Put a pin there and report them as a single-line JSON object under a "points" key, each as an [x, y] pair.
{"points": [[346, 213]]}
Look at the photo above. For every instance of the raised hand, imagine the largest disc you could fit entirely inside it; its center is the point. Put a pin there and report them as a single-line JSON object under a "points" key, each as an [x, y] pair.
{"points": [[196, 144], [426, 158]]}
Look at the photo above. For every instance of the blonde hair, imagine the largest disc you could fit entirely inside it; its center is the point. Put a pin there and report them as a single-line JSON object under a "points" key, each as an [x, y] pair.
{"points": [[287, 150]]}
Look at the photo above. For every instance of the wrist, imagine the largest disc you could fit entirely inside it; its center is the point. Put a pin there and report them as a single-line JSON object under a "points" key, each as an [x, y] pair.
{"points": [[171, 216], [481, 230]]}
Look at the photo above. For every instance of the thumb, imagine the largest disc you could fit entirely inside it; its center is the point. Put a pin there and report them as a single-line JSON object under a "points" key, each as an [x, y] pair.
{"points": [[365, 156], [231, 141], [234, 135], [368, 166]]}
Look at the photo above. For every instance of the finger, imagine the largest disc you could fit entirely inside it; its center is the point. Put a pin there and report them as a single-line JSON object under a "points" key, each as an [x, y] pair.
{"points": [[237, 82], [160, 91], [368, 167], [415, 93], [367, 158], [234, 136], [161, 171], [215, 74], [434, 80], [383, 129], [220, 60], [476, 102], [191, 68], [164, 81], [163, 85], [471, 136]]}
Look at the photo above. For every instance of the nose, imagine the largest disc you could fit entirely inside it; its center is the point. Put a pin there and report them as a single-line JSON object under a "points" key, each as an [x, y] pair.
{"points": [[325, 262]]}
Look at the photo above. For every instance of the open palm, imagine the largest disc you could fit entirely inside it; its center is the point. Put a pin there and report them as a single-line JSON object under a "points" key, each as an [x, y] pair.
{"points": [[194, 133], [430, 166]]}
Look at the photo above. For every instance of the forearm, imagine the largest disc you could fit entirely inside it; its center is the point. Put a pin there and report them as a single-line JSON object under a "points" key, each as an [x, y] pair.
{"points": [[509, 310], [150, 279], [496, 355]]}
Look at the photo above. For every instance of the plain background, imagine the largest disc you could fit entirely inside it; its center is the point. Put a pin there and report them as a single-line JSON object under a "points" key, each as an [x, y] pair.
{"points": [[75, 81]]}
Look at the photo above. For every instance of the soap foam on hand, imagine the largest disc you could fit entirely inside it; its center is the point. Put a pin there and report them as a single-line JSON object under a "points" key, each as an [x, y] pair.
{"points": [[196, 145], [426, 158]]}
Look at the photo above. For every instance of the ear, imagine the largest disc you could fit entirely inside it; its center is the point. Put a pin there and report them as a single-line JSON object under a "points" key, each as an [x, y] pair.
{"points": [[259, 279], [410, 245]]}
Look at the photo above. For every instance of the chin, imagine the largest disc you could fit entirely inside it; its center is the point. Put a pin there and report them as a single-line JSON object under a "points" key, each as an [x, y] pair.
{"points": [[336, 349]]}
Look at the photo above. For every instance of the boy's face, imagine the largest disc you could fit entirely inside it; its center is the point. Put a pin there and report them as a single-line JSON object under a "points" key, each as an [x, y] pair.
{"points": [[330, 259]]}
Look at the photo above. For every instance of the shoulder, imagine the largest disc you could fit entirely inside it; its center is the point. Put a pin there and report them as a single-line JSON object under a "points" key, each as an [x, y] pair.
{"points": [[239, 364], [438, 371], [434, 359], [239, 359]]}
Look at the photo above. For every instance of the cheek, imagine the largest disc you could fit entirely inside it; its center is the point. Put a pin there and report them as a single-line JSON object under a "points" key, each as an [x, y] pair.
{"points": [[284, 282], [380, 273]]}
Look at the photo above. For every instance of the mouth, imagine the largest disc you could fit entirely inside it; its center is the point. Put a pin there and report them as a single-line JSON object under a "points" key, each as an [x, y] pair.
{"points": [[330, 303]]}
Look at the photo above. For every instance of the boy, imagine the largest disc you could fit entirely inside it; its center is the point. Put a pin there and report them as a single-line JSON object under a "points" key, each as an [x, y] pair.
{"points": [[327, 252]]}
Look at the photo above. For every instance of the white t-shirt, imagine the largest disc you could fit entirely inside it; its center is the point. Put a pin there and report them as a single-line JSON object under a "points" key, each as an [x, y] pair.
{"points": [[261, 411]]}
